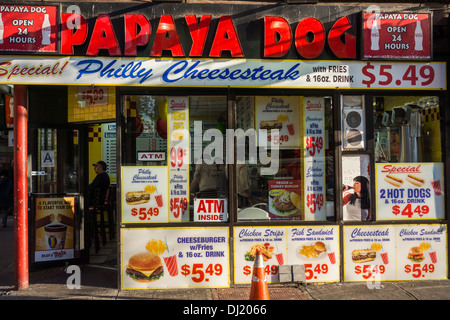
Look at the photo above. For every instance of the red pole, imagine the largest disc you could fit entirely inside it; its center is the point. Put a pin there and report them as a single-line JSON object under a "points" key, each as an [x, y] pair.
{"points": [[20, 186]]}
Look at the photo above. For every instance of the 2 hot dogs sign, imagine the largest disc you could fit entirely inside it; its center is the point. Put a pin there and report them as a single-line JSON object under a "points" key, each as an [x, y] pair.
{"points": [[410, 191]]}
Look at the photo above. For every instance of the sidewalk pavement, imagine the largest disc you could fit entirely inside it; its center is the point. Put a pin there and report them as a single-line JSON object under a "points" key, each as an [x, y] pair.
{"points": [[99, 281]]}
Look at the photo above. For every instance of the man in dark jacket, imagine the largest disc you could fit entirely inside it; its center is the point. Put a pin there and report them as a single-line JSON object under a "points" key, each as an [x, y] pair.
{"points": [[101, 181]]}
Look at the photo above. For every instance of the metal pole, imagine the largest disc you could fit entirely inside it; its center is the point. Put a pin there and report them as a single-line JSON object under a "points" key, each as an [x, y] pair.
{"points": [[20, 186]]}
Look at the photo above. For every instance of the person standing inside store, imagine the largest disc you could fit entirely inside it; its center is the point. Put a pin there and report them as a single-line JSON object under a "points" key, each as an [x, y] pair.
{"points": [[356, 200], [101, 181], [6, 195]]}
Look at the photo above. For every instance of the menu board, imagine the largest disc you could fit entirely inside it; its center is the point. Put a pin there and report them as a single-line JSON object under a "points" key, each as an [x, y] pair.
{"points": [[401, 252], [421, 252], [410, 191], [279, 117], [54, 228], [314, 158], [369, 253], [178, 153], [318, 249], [175, 258], [315, 247], [144, 194]]}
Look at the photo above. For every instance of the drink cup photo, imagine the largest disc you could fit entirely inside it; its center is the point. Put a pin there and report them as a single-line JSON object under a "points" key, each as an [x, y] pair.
{"points": [[384, 256], [290, 127], [280, 258], [332, 257], [159, 200], [171, 264], [436, 187], [433, 256], [55, 236]]}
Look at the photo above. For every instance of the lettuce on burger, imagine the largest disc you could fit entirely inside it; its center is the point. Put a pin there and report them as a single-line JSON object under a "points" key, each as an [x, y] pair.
{"points": [[145, 267], [416, 254]]}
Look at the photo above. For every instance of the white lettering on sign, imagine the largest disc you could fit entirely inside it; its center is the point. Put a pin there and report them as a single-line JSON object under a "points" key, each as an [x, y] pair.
{"points": [[151, 156], [210, 210]]}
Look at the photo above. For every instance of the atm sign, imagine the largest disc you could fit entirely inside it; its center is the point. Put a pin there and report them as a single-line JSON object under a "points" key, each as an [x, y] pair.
{"points": [[151, 156], [210, 210]]}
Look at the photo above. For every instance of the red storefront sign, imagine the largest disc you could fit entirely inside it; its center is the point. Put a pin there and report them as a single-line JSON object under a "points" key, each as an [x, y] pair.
{"points": [[397, 36], [278, 36], [28, 28]]}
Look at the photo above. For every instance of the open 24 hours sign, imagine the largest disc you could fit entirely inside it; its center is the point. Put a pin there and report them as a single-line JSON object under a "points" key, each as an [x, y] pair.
{"points": [[408, 191]]}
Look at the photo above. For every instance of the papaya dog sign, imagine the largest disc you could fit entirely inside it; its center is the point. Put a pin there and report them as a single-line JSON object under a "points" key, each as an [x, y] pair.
{"points": [[409, 191]]}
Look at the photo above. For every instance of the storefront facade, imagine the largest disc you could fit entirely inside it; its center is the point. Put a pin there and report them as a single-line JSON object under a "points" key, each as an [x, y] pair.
{"points": [[314, 133]]}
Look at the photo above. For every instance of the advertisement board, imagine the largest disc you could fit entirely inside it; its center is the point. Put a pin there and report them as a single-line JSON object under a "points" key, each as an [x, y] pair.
{"points": [[314, 158], [174, 258], [144, 194], [400, 252], [410, 191], [397, 35], [316, 247], [54, 228]]}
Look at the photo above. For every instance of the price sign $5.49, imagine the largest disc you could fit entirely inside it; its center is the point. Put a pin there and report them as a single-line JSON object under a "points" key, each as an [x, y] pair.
{"points": [[382, 75], [199, 273]]}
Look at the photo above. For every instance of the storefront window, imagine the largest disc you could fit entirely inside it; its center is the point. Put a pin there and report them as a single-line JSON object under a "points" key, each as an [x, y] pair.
{"points": [[180, 159], [287, 173], [409, 168]]}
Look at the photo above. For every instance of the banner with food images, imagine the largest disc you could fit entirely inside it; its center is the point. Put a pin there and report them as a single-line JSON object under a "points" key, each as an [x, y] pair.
{"points": [[174, 258], [279, 117], [401, 252], [410, 191], [317, 248], [144, 194]]}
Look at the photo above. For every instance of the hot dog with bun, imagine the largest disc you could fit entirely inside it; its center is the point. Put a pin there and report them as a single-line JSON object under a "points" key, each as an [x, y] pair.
{"points": [[418, 182], [393, 180]]}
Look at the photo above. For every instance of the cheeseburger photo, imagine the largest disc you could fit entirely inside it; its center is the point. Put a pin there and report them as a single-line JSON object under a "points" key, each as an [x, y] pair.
{"points": [[137, 197], [416, 254], [145, 267]]}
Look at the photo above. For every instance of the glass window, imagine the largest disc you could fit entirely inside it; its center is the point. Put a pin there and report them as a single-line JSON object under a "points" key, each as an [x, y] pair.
{"points": [[287, 172], [176, 147], [408, 154]]}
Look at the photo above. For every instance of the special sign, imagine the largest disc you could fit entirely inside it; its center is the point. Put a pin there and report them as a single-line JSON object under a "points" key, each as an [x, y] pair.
{"points": [[410, 191]]}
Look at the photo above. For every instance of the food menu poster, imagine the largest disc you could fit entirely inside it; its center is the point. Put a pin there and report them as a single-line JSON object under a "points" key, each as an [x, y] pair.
{"points": [[178, 151], [174, 258], [401, 252], [314, 158], [144, 194], [410, 191], [28, 28], [54, 228], [279, 118], [315, 247], [285, 199]]}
